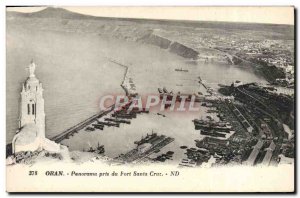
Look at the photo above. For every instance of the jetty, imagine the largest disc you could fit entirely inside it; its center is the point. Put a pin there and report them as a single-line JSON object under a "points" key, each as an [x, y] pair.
{"points": [[76, 128]]}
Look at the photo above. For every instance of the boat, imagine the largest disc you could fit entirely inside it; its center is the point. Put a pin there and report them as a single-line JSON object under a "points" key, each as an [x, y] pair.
{"points": [[170, 153], [181, 70], [161, 114], [109, 123], [110, 119], [117, 120], [123, 121], [198, 121], [99, 149], [91, 150], [147, 139], [212, 111], [99, 127], [213, 133], [124, 115], [89, 129], [188, 163], [138, 111], [220, 126]]}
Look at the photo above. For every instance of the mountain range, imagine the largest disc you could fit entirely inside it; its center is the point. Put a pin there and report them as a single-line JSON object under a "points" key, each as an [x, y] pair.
{"points": [[61, 13]]}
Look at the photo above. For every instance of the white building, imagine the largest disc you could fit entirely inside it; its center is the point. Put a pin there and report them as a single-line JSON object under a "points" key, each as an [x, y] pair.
{"points": [[31, 133], [32, 103]]}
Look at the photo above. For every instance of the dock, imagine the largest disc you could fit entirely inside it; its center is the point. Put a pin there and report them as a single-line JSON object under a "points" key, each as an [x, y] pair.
{"points": [[75, 129], [145, 147]]}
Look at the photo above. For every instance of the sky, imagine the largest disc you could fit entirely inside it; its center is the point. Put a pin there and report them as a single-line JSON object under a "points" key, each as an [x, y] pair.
{"points": [[274, 15]]}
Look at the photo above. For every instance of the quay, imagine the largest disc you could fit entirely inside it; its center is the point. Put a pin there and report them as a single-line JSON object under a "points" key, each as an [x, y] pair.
{"points": [[75, 129], [95, 118], [145, 147]]}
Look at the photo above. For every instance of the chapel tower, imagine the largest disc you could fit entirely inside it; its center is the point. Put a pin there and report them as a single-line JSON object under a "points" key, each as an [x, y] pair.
{"points": [[32, 102]]}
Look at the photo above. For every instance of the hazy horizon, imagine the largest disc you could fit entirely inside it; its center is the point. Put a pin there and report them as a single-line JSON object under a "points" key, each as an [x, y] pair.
{"points": [[276, 15]]}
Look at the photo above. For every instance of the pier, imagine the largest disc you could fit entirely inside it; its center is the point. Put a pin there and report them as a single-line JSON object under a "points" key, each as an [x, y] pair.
{"points": [[75, 129], [145, 147]]}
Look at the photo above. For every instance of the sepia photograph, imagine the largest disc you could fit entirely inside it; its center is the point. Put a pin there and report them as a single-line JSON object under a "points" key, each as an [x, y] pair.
{"points": [[150, 99]]}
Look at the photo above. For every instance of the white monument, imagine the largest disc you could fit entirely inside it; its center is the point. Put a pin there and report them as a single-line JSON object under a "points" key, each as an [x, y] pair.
{"points": [[32, 102], [31, 133]]}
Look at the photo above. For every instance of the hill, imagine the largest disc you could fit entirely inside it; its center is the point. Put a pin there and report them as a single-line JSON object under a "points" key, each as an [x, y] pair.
{"points": [[61, 13]]}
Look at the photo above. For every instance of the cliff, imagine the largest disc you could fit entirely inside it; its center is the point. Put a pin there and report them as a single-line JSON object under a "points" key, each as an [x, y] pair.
{"points": [[156, 40], [172, 46], [183, 51]]}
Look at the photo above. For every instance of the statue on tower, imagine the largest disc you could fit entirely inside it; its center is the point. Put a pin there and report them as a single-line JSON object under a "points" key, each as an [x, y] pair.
{"points": [[31, 69], [31, 134]]}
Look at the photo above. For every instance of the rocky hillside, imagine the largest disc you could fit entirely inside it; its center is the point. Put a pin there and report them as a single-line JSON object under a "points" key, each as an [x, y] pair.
{"points": [[59, 19], [172, 46]]}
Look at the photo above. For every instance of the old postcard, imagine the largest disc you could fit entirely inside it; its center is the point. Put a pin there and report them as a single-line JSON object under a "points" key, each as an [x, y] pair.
{"points": [[150, 99]]}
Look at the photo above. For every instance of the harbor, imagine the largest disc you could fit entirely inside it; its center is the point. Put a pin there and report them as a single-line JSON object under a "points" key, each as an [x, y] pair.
{"points": [[74, 118], [183, 134], [100, 102], [223, 128]]}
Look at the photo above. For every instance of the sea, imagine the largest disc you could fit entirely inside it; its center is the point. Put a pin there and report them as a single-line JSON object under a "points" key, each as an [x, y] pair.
{"points": [[76, 71]]}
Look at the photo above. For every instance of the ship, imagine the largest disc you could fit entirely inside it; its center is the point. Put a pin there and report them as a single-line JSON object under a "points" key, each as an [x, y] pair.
{"points": [[212, 111], [110, 119], [99, 149], [98, 126], [145, 147], [91, 150], [124, 115], [188, 163], [206, 125], [117, 120], [89, 129], [161, 114], [181, 70], [123, 121], [138, 111], [108, 123], [212, 133], [147, 139]]}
